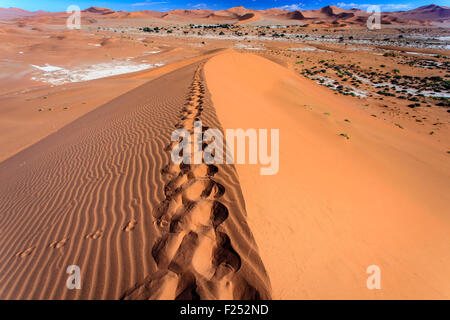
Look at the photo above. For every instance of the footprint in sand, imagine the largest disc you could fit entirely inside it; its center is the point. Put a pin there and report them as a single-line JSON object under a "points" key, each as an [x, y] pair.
{"points": [[25, 253], [130, 225], [191, 248], [95, 235], [58, 244]]}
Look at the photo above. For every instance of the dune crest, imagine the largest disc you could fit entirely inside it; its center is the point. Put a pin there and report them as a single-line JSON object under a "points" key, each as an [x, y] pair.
{"points": [[194, 254]]}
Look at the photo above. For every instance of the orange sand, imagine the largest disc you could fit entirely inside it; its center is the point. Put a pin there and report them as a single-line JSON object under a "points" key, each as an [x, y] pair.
{"points": [[336, 206], [87, 178]]}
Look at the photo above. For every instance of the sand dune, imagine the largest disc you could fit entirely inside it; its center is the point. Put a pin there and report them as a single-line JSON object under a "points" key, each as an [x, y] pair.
{"points": [[13, 13], [336, 205], [202, 211], [97, 10], [430, 12], [98, 194], [113, 180], [248, 17], [87, 177], [240, 15]]}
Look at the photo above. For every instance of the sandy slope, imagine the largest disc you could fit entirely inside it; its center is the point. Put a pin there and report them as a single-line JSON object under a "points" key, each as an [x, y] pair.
{"points": [[21, 125], [336, 206], [99, 194]]}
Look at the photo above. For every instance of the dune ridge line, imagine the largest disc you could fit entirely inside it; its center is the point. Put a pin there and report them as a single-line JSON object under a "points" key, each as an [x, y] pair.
{"points": [[195, 257]]}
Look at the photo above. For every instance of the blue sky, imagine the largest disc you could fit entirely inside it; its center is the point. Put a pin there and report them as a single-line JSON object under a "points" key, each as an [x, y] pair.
{"points": [[165, 5]]}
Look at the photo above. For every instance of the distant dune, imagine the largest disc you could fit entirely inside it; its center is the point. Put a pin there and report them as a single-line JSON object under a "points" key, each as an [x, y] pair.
{"points": [[99, 10], [326, 16], [13, 13], [430, 12]]}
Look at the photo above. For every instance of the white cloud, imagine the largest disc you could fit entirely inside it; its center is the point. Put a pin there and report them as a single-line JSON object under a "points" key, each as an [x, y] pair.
{"points": [[347, 5], [292, 7], [147, 3], [391, 6], [200, 6], [396, 6]]}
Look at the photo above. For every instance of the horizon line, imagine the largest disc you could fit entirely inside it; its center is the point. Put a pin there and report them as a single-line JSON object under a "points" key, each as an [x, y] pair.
{"points": [[195, 9]]}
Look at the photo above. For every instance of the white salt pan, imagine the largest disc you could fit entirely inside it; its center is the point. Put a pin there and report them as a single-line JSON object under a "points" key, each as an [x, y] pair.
{"points": [[58, 76]]}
